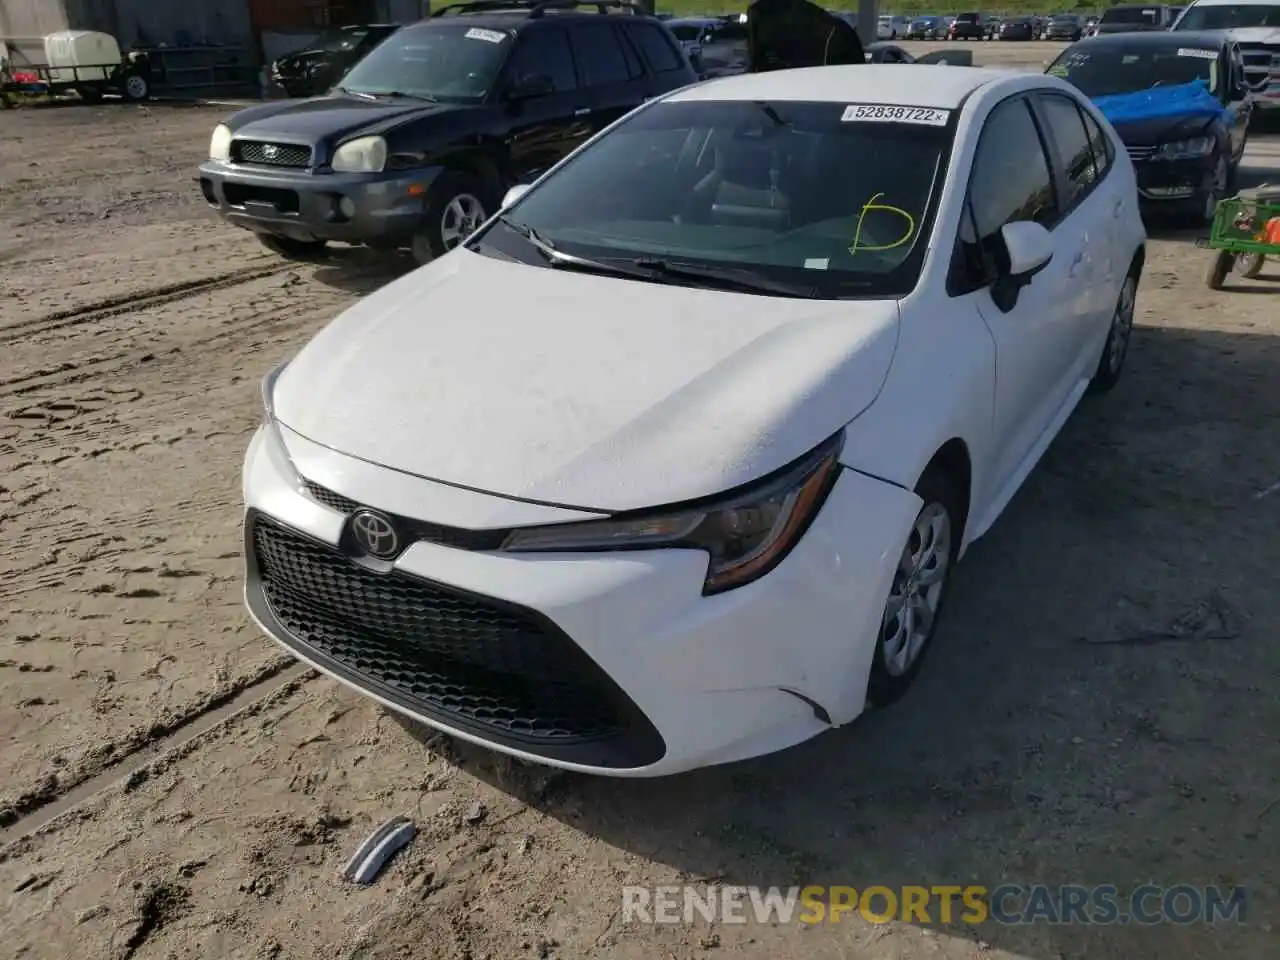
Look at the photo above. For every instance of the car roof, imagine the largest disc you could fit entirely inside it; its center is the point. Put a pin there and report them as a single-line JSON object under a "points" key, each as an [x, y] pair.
{"points": [[1156, 38], [899, 84], [518, 19], [1232, 3]]}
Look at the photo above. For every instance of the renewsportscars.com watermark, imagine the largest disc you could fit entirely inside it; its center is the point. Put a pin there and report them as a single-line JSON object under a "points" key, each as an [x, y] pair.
{"points": [[1009, 904]]}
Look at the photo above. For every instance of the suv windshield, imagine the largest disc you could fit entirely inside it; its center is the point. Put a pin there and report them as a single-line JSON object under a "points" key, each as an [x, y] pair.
{"points": [[1229, 16], [1104, 71], [1131, 15], [788, 192], [449, 62]]}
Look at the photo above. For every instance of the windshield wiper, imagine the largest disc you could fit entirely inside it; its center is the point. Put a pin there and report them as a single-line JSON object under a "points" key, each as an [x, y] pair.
{"points": [[356, 93], [725, 277], [558, 258], [405, 96]]}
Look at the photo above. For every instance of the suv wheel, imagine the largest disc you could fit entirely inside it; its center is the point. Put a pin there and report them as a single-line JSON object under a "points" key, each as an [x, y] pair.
{"points": [[455, 208]]}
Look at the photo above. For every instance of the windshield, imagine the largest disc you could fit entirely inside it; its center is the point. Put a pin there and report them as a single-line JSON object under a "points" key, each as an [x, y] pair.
{"points": [[967, 18], [449, 62], [1062, 19], [819, 195], [1103, 71], [1131, 15], [1228, 17]]}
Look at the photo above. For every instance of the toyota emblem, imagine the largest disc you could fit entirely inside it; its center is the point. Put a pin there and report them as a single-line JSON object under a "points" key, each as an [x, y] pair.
{"points": [[375, 534], [270, 151]]}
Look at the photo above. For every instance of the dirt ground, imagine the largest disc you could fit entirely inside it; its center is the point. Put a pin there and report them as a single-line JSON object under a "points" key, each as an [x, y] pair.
{"points": [[1103, 705]]}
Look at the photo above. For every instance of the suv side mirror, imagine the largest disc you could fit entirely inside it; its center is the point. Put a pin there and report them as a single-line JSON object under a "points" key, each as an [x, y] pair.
{"points": [[1028, 248], [538, 85]]}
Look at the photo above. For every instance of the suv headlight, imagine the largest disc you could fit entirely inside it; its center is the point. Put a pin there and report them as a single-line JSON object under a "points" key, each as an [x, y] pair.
{"points": [[364, 155], [745, 533], [1185, 149], [220, 143]]}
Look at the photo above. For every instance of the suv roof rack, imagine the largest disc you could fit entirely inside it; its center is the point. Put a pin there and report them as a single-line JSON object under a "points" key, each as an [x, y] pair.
{"points": [[536, 8]]}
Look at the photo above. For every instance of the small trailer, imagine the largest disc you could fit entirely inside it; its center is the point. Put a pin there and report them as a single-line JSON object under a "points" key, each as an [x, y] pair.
{"points": [[85, 62]]}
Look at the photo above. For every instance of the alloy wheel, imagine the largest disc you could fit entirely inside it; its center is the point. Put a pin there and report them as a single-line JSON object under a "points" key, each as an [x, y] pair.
{"points": [[916, 593], [462, 216], [1121, 326]]}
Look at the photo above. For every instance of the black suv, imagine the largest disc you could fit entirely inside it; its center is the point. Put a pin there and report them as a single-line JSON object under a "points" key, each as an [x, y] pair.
{"points": [[417, 145]]}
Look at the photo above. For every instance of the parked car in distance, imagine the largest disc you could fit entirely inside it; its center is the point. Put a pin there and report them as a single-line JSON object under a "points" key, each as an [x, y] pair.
{"points": [[926, 28], [1017, 28], [1064, 26], [884, 51], [416, 146], [693, 33], [892, 28], [1255, 25], [565, 551], [1185, 143], [1133, 18], [319, 65], [968, 26]]}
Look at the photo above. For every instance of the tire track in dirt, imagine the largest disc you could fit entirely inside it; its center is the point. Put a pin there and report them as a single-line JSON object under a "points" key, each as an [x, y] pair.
{"points": [[141, 300]]}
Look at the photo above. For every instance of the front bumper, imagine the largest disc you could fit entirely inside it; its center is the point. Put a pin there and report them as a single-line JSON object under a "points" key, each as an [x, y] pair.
{"points": [[350, 207], [1165, 182], [605, 663]]}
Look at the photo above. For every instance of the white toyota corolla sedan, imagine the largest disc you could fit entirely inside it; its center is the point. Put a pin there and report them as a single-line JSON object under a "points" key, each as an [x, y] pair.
{"points": [[670, 464]]}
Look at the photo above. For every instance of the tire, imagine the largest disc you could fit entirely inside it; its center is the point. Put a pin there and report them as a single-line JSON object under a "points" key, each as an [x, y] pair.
{"points": [[456, 204], [292, 249], [135, 87], [1219, 268], [940, 514], [89, 94], [1252, 265], [1116, 349]]}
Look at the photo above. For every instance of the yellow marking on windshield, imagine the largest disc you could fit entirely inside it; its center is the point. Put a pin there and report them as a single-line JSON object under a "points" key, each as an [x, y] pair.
{"points": [[867, 207]]}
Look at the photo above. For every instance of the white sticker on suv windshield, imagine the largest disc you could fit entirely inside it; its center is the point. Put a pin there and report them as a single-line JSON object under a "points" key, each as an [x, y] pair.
{"points": [[888, 113], [1201, 54], [493, 36]]}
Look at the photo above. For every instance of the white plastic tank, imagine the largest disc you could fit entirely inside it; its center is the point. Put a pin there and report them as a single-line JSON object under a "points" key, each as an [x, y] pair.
{"points": [[100, 52]]}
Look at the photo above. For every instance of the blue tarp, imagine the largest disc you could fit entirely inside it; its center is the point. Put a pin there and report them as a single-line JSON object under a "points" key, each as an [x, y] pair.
{"points": [[1183, 100]]}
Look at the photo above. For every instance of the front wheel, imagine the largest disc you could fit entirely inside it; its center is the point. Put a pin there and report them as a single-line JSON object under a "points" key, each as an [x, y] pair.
{"points": [[1116, 349], [918, 591], [1201, 215], [455, 207], [1219, 268], [1251, 265]]}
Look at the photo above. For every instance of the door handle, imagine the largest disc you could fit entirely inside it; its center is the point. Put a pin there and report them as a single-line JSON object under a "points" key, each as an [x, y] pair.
{"points": [[582, 111], [1117, 208], [1076, 263]]}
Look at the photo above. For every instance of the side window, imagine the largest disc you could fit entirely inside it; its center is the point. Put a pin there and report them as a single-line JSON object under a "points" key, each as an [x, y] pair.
{"points": [[655, 47], [1071, 142], [599, 54], [1103, 150], [1010, 181], [634, 69], [543, 52]]}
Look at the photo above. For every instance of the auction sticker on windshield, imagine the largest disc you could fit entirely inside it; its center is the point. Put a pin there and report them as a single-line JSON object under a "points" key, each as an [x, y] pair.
{"points": [[888, 113], [1201, 54], [493, 36]]}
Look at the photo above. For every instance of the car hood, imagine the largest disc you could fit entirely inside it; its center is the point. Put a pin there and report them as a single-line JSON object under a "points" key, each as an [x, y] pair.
{"points": [[1142, 133], [1266, 35], [580, 390], [328, 117]]}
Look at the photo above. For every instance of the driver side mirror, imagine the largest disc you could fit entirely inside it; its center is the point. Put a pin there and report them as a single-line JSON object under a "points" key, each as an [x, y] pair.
{"points": [[537, 85], [1028, 248], [514, 194]]}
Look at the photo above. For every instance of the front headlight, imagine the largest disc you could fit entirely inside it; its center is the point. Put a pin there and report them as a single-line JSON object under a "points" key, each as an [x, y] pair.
{"points": [[1185, 149], [220, 143], [365, 155], [745, 533]]}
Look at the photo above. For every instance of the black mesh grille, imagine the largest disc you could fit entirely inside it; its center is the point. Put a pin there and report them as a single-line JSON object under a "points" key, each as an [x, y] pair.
{"points": [[270, 154], [412, 529], [471, 661]]}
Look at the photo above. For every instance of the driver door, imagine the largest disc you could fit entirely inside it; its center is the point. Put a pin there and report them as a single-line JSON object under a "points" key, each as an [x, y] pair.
{"points": [[544, 129]]}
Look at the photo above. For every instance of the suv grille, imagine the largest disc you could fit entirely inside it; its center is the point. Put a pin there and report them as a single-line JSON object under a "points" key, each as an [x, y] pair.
{"points": [[503, 672], [270, 154], [1259, 62]]}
